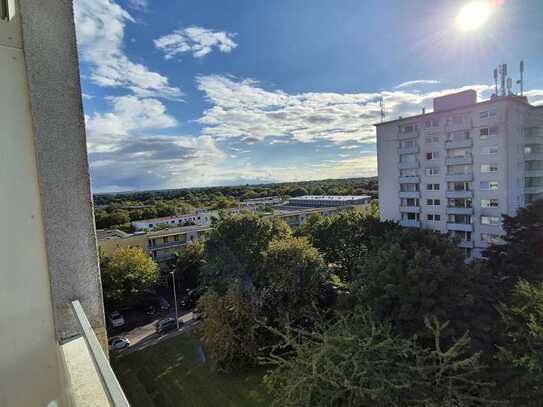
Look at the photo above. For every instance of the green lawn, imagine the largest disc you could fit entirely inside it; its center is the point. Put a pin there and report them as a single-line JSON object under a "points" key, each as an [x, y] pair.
{"points": [[169, 374]]}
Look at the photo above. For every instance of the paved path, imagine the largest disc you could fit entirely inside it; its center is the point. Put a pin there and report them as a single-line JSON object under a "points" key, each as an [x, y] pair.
{"points": [[145, 335]]}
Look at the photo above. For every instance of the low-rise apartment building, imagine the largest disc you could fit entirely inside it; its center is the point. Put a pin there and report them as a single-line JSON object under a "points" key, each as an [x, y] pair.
{"points": [[457, 169], [161, 245], [197, 217], [327, 201]]}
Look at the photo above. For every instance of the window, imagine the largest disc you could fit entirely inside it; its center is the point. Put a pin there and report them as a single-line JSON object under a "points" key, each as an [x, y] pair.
{"points": [[490, 220], [165, 239], [150, 225], [408, 128], [407, 143], [460, 234], [459, 169], [433, 202], [408, 172], [489, 185], [459, 153], [410, 216], [433, 217], [458, 135], [460, 186], [483, 115], [410, 202], [489, 167], [489, 203], [408, 158], [431, 138], [432, 187], [486, 150], [491, 238], [432, 171], [459, 203], [486, 132], [409, 187], [428, 124], [462, 219], [433, 155], [492, 113]]}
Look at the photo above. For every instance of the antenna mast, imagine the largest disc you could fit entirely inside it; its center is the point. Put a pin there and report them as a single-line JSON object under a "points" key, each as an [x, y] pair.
{"points": [[496, 80], [382, 108], [521, 80]]}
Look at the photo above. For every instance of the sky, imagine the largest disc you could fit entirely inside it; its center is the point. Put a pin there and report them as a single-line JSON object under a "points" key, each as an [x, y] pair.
{"points": [[227, 92]]}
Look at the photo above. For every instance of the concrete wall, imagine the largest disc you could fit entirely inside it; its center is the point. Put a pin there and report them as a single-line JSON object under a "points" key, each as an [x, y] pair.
{"points": [[59, 136], [29, 367]]}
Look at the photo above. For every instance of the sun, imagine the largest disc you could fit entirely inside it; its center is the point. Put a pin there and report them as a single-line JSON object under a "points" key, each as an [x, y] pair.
{"points": [[473, 15]]}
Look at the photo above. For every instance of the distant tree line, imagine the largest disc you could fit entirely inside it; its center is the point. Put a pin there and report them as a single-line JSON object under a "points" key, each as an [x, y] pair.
{"points": [[118, 210]]}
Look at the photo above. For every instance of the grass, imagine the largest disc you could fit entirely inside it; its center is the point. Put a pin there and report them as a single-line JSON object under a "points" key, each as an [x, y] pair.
{"points": [[169, 374]]}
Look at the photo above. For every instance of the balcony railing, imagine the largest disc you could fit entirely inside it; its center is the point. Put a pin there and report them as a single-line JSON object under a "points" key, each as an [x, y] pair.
{"points": [[459, 143], [459, 160], [88, 371], [410, 223]]}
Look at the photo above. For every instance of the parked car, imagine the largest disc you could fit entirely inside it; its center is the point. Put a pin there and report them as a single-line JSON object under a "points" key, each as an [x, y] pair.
{"points": [[166, 325], [197, 314], [116, 319], [117, 343], [164, 305]]}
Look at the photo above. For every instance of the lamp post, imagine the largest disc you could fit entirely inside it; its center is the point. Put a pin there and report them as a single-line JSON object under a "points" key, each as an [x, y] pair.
{"points": [[175, 298]]}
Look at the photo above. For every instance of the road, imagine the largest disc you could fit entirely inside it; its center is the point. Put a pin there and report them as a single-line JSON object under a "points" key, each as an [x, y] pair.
{"points": [[145, 335]]}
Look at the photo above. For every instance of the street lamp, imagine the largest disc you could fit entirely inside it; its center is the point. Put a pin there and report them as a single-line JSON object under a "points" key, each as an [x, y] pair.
{"points": [[175, 298]]}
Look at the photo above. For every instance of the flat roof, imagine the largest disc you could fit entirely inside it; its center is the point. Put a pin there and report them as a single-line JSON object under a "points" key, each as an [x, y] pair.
{"points": [[341, 198], [514, 98], [169, 218]]}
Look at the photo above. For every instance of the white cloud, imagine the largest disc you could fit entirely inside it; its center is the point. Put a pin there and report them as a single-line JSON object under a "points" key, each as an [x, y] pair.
{"points": [[127, 151], [138, 4], [129, 114], [417, 82], [244, 110], [198, 41], [100, 28]]}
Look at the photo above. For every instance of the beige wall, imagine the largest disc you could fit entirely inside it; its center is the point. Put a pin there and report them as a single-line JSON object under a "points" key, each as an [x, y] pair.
{"points": [[29, 367]]}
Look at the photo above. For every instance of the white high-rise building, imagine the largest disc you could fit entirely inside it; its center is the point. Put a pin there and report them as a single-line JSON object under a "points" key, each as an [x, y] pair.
{"points": [[457, 169]]}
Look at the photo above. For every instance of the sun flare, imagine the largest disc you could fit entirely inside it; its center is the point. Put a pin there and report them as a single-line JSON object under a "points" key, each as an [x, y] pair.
{"points": [[473, 15]]}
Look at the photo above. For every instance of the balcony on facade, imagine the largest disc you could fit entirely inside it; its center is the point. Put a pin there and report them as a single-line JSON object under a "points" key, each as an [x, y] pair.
{"points": [[459, 210], [466, 244], [460, 194], [459, 177], [409, 180], [408, 164], [534, 190], [409, 223], [412, 209], [405, 136], [459, 160], [468, 142], [533, 156], [533, 173], [463, 227], [409, 194], [408, 150]]}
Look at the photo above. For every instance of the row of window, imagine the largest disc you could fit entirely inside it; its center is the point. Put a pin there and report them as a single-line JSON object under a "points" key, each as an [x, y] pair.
{"points": [[456, 153], [451, 186], [484, 133], [455, 119], [451, 202], [457, 170], [457, 219]]}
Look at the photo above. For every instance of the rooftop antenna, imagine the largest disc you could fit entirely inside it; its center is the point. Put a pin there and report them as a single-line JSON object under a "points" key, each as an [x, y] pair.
{"points": [[503, 75], [521, 80], [496, 80], [382, 108]]}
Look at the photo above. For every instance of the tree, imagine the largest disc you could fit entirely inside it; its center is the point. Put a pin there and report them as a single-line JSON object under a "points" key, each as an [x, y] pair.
{"points": [[345, 239], [119, 217], [125, 274], [290, 279], [234, 248], [521, 346], [298, 191], [356, 361], [521, 257], [415, 273], [188, 265], [228, 328]]}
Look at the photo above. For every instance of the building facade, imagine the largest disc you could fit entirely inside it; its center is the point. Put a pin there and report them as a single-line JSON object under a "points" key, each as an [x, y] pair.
{"points": [[457, 169], [161, 245], [198, 218], [328, 201]]}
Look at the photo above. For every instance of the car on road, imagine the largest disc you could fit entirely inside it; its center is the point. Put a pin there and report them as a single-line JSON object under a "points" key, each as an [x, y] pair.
{"points": [[117, 343], [166, 325], [197, 314], [116, 319]]}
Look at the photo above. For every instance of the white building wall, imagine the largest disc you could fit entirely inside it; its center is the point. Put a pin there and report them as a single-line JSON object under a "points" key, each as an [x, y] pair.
{"points": [[510, 119]]}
